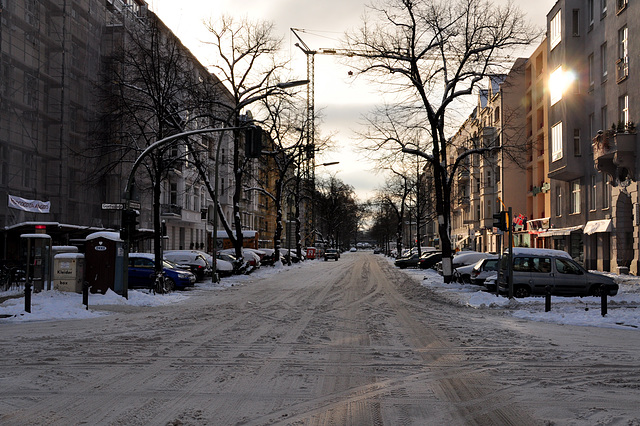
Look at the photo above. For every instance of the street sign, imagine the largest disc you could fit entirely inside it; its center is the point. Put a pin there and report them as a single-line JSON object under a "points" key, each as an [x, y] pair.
{"points": [[134, 205], [112, 206]]}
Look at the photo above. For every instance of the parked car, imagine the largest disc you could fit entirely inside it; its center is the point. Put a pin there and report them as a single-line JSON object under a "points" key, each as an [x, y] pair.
{"points": [[195, 260], [331, 254], [537, 270], [462, 274], [429, 260], [483, 269], [410, 261], [251, 259], [142, 272]]}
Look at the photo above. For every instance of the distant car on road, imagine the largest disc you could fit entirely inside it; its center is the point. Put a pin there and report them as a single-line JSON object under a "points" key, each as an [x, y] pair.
{"points": [[331, 254]]}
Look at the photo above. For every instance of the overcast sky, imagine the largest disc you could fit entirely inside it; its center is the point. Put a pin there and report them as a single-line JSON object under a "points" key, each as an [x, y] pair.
{"points": [[341, 99]]}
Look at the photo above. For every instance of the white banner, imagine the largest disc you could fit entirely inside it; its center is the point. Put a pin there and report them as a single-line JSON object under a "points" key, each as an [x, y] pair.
{"points": [[34, 206]]}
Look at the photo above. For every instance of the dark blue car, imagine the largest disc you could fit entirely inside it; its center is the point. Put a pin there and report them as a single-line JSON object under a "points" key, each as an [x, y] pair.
{"points": [[142, 270]]}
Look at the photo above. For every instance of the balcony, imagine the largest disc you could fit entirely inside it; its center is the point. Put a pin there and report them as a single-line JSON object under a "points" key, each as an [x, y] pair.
{"points": [[614, 153], [463, 174], [170, 210]]}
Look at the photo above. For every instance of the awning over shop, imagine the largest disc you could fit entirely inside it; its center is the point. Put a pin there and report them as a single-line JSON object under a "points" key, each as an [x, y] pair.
{"points": [[595, 226], [559, 232]]}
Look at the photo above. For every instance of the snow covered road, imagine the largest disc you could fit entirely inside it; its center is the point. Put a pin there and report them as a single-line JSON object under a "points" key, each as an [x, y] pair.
{"points": [[349, 342]]}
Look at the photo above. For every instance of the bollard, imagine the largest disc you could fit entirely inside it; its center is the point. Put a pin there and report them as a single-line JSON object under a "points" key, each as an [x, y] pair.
{"points": [[27, 297], [85, 294], [547, 299], [604, 292]]}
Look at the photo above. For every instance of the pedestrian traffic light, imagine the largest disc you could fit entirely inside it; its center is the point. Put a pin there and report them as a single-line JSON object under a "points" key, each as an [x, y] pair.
{"points": [[501, 221], [253, 141]]}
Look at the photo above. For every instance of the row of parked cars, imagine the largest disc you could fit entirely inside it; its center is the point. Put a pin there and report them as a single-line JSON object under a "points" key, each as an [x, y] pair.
{"points": [[535, 272], [182, 268]]}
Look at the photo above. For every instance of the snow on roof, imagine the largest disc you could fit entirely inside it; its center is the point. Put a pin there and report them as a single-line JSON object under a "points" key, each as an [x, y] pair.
{"points": [[69, 256], [109, 235], [538, 252], [41, 236]]}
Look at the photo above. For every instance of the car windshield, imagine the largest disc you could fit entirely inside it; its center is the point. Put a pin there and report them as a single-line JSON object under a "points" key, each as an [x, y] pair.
{"points": [[171, 265]]}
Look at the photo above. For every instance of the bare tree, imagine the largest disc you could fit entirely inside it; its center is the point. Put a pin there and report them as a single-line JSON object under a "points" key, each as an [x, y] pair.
{"points": [[283, 156], [433, 53], [151, 91], [247, 64]]}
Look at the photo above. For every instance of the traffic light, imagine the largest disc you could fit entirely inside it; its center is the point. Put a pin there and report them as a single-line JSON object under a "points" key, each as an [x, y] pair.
{"points": [[253, 141], [130, 224], [501, 221]]}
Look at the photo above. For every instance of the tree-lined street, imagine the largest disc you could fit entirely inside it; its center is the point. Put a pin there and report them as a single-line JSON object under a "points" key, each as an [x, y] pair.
{"points": [[348, 342]]}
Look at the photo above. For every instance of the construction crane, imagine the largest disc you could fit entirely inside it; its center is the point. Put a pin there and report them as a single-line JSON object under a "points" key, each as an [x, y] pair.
{"points": [[310, 147]]}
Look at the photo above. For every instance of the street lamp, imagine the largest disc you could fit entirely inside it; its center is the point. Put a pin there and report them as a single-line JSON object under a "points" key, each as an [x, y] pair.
{"points": [[327, 164], [289, 84]]}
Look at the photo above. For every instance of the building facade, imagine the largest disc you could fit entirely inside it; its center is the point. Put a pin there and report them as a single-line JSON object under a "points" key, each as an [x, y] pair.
{"points": [[592, 90], [54, 58], [488, 183]]}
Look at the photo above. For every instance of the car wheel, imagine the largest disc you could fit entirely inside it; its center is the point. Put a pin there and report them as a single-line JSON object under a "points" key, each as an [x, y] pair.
{"points": [[521, 292]]}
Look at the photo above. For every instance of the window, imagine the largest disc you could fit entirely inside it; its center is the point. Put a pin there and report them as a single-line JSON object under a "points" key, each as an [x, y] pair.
{"points": [[555, 29], [603, 118], [621, 5], [4, 164], [603, 61], [592, 79], [575, 196], [603, 5], [567, 267], [173, 194], [592, 193], [27, 170], [556, 85], [576, 143], [576, 22], [623, 106], [606, 192], [623, 42], [558, 200], [590, 12], [556, 142], [622, 64]]}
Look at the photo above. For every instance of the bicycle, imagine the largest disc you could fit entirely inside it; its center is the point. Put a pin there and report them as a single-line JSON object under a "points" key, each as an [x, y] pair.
{"points": [[162, 284], [10, 278]]}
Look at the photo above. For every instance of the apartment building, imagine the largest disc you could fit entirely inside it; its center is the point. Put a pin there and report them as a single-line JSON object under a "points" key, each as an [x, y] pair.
{"points": [[489, 183], [538, 183], [594, 210], [53, 139], [49, 65]]}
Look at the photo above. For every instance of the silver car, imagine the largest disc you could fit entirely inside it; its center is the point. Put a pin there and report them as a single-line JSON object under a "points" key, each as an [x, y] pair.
{"points": [[536, 271]]}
